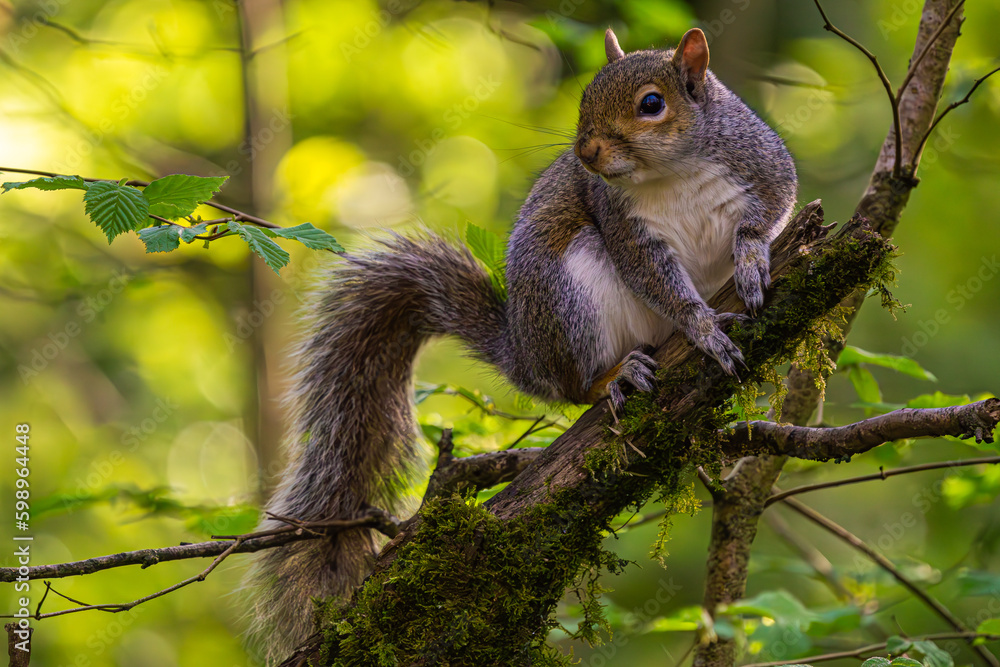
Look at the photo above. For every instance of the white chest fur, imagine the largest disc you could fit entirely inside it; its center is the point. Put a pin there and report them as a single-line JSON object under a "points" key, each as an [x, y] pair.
{"points": [[696, 214], [622, 320]]}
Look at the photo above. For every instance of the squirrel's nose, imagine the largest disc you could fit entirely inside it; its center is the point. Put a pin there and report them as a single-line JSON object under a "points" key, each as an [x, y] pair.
{"points": [[589, 151]]}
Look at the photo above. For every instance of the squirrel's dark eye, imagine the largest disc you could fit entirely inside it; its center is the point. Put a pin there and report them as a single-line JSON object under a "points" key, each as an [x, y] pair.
{"points": [[651, 105]]}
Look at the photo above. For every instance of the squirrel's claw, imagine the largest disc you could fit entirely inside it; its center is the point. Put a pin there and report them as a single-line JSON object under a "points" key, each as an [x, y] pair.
{"points": [[719, 346], [752, 276], [636, 370]]}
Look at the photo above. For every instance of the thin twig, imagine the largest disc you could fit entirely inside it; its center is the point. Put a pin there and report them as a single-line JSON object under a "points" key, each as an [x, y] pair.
{"points": [[948, 109], [885, 474], [125, 606], [893, 100], [378, 520], [887, 565]]}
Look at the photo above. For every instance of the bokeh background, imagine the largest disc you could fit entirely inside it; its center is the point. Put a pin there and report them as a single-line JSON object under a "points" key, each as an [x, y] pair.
{"points": [[152, 383]]}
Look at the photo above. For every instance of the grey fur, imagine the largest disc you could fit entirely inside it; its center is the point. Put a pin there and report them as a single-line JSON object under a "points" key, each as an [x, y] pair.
{"points": [[352, 415], [580, 258]]}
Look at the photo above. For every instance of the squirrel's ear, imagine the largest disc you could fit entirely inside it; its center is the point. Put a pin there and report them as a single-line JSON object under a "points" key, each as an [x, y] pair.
{"points": [[611, 46], [691, 55]]}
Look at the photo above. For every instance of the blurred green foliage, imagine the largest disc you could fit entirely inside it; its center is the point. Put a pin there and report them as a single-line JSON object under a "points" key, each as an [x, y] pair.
{"points": [[140, 374]]}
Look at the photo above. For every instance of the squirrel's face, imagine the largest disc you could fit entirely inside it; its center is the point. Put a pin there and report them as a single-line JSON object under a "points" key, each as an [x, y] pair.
{"points": [[636, 114]]}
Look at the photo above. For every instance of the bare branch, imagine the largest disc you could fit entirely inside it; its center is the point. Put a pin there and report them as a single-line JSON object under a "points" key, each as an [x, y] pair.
{"points": [[480, 471], [125, 606], [249, 543], [887, 565], [977, 420], [885, 474]]}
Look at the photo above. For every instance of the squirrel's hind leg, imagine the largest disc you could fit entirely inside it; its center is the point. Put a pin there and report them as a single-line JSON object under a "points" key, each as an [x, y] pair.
{"points": [[637, 370]]}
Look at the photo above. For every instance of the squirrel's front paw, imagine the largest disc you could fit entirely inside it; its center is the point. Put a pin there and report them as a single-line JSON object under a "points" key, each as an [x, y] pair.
{"points": [[636, 369], [752, 275], [712, 340]]}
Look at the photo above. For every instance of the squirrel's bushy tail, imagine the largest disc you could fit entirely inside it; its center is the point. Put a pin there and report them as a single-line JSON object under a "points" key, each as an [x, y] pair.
{"points": [[352, 424]]}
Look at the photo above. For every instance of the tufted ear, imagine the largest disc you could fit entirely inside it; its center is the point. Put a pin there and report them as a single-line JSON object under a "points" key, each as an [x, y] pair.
{"points": [[691, 56], [611, 46]]}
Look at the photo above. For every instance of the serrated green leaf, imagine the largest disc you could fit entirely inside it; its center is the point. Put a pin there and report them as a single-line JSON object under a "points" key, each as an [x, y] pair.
{"points": [[178, 195], [877, 661], [115, 208], [188, 233], [865, 384], [934, 656], [272, 254], [308, 235], [852, 356], [163, 238], [896, 645], [49, 183]]}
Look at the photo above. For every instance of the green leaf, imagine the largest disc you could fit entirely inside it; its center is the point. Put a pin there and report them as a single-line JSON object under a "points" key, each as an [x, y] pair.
{"points": [[780, 605], [178, 195], [115, 208], [836, 621], [938, 400], [877, 661], [163, 238], [485, 245], [974, 583], [425, 390], [990, 626], [49, 183], [308, 235], [684, 619], [491, 250], [865, 384], [188, 233], [905, 662], [852, 356], [896, 645], [934, 656], [789, 636], [272, 254]]}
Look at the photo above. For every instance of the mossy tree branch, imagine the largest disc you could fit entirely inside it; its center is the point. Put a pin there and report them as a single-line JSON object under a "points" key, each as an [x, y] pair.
{"points": [[462, 583]]}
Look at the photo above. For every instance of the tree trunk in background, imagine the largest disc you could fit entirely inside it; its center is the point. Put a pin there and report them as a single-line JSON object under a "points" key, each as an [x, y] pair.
{"points": [[267, 137]]}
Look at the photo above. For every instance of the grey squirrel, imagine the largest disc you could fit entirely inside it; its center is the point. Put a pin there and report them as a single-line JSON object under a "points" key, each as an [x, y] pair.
{"points": [[672, 186]]}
